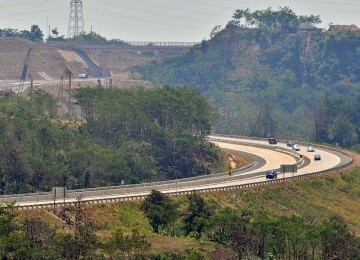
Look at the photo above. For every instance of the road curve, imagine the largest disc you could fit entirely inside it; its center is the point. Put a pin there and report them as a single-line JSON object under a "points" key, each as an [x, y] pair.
{"points": [[274, 156], [330, 159]]}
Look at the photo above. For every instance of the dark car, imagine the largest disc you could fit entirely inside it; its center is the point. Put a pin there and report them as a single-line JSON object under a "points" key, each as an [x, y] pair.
{"points": [[317, 157], [290, 143], [271, 174], [272, 140]]}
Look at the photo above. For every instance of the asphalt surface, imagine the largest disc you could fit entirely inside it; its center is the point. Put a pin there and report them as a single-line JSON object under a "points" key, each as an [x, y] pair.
{"points": [[265, 159]]}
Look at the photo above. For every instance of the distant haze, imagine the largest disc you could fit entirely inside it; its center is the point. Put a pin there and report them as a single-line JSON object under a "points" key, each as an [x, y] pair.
{"points": [[160, 20]]}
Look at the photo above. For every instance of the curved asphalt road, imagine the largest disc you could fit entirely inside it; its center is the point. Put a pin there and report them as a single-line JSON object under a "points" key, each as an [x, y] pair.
{"points": [[272, 159]]}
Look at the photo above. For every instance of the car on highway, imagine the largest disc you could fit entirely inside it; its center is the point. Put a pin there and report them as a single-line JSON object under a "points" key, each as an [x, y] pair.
{"points": [[311, 149], [317, 157], [290, 143], [272, 174], [83, 76], [272, 140], [296, 147]]}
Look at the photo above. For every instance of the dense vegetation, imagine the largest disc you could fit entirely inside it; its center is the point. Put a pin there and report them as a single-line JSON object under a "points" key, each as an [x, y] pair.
{"points": [[313, 218], [32, 238], [129, 135], [267, 78], [254, 234], [35, 34]]}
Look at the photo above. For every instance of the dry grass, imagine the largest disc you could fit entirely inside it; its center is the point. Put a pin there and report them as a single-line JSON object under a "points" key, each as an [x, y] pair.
{"points": [[315, 199]]}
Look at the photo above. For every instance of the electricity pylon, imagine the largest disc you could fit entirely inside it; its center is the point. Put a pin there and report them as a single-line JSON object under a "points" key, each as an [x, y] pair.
{"points": [[76, 19]]}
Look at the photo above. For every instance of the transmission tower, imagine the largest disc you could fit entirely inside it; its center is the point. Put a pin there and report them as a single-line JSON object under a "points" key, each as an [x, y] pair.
{"points": [[76, 19]]}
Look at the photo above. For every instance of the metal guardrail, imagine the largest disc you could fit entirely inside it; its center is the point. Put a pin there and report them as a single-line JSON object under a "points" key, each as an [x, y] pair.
{"points": [[198, 180], [284, 141], [2, 38], [176, 193], [167, 185], [122, 47], [14, 84], [108, 43], [122, 44]]}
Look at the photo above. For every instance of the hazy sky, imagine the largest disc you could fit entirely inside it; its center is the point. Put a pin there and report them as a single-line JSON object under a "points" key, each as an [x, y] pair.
{"points": [[160, 20]]}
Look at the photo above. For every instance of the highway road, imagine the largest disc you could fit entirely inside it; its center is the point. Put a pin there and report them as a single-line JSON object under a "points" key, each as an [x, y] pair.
{"points": [[272, 157], [329, 159]]}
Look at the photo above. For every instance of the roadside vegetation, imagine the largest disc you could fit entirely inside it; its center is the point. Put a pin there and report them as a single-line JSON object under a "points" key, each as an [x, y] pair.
{"points": [[129, 136], [312, 218]]}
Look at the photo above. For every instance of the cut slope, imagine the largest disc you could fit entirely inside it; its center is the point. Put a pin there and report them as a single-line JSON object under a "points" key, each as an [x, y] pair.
{"points": [[45, 63]]}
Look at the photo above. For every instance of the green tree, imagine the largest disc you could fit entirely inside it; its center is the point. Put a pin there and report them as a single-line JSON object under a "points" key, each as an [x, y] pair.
{"points": [[83, 242], [244, 240], [160, 210], [91, 36], [36, 33], [334, 233], [222, 224], [217, 29], [24, 34], [197, 215], [55, 32], [131, 246]]}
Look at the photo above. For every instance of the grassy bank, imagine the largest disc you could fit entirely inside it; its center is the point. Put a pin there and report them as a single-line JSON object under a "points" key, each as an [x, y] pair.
{"points": [[315, 199]]}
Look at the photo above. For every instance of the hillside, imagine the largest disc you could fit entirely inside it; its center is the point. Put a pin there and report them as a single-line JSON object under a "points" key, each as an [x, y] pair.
{"points": [[310, 201], [50, 63], [127, 135], [271, 81], [45, 63]]}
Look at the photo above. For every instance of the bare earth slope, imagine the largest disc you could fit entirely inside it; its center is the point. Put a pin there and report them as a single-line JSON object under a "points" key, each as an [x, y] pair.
{"points": [[50, 64], [45, 63]]}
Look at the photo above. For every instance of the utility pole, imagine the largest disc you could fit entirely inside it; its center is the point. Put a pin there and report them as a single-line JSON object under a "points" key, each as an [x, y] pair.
{"points": [[76, 19], [31, 86], [69, 94], [24, 71], [61, 89]]}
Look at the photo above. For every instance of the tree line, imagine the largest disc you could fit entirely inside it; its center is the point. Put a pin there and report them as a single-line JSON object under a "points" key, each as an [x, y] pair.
{"points": [[247, 234], [127, 136], [36, 34], [235, 233], [32, 238], [284, 18]]}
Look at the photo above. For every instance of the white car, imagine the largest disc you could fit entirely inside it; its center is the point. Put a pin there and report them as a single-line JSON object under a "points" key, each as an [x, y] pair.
{"points": [[310, 149], [296, 147]]}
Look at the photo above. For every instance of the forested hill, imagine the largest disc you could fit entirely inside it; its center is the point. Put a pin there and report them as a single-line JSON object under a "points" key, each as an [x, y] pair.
{"points": [[132, 135], [271, 78]]}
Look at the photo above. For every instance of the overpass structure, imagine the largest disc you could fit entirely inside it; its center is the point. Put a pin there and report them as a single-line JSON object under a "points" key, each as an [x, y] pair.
{"points": [[267, 157], [129, 46], [100, 69]]}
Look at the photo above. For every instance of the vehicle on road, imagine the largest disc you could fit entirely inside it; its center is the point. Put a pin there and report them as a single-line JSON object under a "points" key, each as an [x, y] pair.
{"points": [[290, 143], [272, 140], [317, 157], [272, 174], [83, 76], [310, 149], [296, 147]]}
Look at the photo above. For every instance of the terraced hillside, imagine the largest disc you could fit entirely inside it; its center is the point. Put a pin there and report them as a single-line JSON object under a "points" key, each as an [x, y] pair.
{"points": [[45, 63]]}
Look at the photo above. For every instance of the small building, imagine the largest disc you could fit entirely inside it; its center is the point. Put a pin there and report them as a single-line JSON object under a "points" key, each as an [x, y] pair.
{"points": [[337, 27], [307, 27]]}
